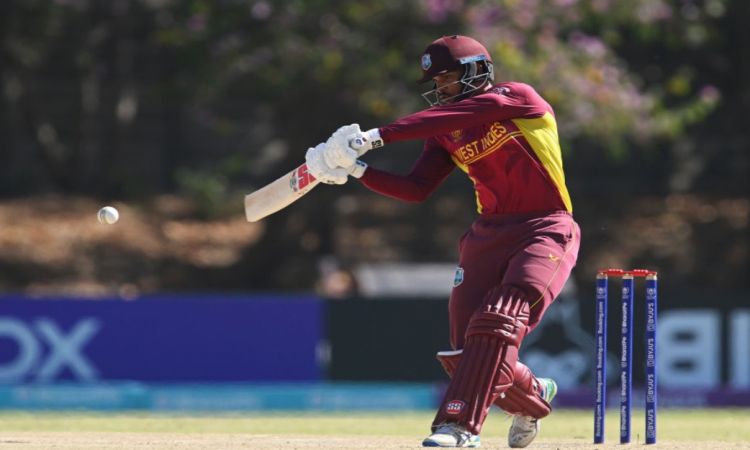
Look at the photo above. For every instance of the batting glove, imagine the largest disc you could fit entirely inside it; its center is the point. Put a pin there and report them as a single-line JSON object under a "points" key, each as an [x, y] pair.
{"points": [[337, 152], [357, 169], [317, 166], [365, 141]]}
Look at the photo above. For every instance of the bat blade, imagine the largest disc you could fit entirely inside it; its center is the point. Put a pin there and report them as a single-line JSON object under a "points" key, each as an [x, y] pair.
{"points": [[279, 194]]}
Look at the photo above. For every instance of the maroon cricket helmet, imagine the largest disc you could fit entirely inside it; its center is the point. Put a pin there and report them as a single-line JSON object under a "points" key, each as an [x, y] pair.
{"points": [[450, 53]]}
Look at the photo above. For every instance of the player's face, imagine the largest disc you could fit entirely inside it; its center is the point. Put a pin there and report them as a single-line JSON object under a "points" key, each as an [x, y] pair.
{"points": [[447, 85]]}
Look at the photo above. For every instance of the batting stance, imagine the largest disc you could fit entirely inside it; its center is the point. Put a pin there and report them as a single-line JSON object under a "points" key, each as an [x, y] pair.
{"points": [[518, 253]]}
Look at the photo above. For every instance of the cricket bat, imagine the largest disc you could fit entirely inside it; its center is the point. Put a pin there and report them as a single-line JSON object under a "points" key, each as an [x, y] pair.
{"points": [[289, 188], [279, 194]]}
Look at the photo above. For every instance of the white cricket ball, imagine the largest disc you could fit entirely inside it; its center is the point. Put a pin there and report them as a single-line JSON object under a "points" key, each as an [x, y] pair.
{"points": [[108, 215]]}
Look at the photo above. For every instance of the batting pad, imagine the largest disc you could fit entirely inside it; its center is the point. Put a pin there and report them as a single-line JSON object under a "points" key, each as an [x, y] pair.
{"points": [[487, 365]]}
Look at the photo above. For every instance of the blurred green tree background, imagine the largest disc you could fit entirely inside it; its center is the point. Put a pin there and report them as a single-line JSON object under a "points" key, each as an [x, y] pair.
{"points": [[208, 100]]}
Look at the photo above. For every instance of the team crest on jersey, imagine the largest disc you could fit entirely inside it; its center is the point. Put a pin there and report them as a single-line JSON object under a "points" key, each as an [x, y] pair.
{"points": [[456, 135], [454, 407], [458, 278], [426, 61]]}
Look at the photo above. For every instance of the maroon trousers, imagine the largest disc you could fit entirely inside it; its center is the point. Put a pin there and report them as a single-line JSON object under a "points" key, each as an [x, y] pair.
{"points": [[535, 253], [511, 269]]}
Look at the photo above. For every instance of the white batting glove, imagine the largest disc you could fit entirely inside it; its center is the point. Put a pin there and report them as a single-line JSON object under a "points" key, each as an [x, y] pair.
{"points": [[317, 167], [365, 141], [338, 153], [357, 169]]}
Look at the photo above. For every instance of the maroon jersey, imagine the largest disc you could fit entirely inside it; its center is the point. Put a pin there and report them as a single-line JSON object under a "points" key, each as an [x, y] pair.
{"points": [[504, 139]]}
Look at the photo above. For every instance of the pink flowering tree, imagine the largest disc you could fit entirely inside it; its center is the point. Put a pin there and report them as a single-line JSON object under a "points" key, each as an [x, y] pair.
{"points": [[571, 51]]}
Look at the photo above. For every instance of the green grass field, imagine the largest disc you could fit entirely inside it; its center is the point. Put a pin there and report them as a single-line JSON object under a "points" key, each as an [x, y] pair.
{"points": [[696, 429]]}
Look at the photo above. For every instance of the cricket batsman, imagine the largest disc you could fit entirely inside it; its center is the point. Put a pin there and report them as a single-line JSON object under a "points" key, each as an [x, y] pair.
{"points": [[517, 254]]}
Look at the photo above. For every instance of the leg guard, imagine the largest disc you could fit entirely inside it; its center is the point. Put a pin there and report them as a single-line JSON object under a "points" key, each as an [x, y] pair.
{"points": [[487, 366], [522, 397], [449, 360]]}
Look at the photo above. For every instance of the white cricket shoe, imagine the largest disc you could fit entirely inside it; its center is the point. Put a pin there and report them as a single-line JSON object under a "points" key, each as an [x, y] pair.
{"points": [[451, 435], [524, 429]]}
